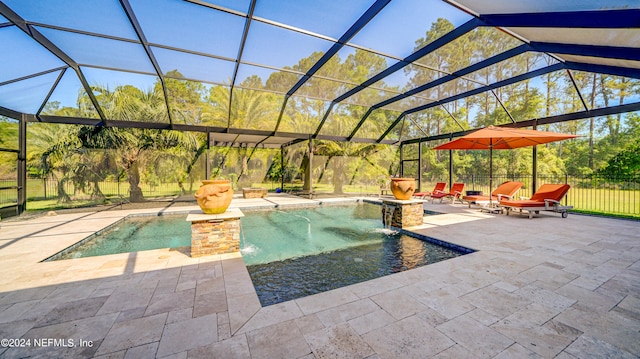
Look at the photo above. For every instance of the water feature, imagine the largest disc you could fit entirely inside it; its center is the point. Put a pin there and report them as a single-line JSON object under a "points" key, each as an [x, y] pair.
{"points": [[278, 235], [303, 217]]}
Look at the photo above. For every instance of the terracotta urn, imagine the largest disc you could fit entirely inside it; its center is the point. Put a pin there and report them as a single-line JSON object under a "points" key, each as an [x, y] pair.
{"points": [[214, 196], [403, 188]]}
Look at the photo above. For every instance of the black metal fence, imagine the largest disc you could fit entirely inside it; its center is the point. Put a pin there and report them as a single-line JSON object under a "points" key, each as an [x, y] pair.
{"points": [[39, 190], [615, 195]]}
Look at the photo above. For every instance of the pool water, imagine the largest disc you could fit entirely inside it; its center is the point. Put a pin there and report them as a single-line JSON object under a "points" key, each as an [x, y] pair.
{"points": [[289, 254], [277, 235], [301, 252], [294, 278], [134, 234]]}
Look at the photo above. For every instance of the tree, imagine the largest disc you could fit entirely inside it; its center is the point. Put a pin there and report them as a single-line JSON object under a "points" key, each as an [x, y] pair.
{"points": [[624, 164], [52, 152], [8, 140], [88, 154]]}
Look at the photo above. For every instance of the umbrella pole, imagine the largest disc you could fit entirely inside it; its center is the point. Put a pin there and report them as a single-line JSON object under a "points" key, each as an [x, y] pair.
{"points": [[490, 172]]}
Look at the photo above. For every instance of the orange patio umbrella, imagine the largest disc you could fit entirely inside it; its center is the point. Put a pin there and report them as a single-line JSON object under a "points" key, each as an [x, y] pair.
{"points": [[501, 138]]}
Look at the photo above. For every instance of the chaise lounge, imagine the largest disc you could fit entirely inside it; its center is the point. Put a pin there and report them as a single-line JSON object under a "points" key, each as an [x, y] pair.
{"points": [[438, 188], [454, 192], [504, 191], [547, 198]]}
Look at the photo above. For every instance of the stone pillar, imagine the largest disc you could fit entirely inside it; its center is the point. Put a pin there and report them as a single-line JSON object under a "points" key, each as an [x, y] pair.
{"points": [[215, 233], [400, 214]]}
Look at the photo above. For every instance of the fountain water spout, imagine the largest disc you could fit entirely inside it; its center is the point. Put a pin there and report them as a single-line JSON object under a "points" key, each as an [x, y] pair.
{"points": [[303, 217]]}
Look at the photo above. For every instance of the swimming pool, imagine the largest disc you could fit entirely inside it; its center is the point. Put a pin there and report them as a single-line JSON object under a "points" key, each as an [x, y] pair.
{"points": [[289, 253], [132, 234], [296, 253]]}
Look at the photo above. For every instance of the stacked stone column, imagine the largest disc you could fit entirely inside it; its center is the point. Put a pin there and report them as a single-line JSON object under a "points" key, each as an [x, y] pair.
{"points": [[215, 233], [402, 213]]}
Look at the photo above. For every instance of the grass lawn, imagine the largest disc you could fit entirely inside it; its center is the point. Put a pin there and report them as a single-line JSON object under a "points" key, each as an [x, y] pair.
{"points": [[605, 201]]}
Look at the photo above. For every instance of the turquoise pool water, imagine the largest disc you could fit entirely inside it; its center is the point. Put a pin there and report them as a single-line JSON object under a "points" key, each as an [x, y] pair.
{"points": [[289, 254], [296, 253], [134, 234], [278, 235]]}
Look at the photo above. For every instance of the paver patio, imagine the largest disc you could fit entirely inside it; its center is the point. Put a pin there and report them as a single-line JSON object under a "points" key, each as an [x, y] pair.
{"points": [[546, 287]]}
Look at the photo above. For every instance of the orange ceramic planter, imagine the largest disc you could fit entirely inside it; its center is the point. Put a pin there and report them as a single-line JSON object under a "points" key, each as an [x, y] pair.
{"points": [[214, 196], [403, 188]]}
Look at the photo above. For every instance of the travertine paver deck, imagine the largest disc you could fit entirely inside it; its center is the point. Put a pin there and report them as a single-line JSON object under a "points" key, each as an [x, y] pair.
{"points": [[546, 287]]}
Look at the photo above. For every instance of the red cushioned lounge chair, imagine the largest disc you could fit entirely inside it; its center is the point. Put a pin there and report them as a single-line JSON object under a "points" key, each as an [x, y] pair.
{"points": [[503, 191], [454, 193], [547, 198], [439, 188]]}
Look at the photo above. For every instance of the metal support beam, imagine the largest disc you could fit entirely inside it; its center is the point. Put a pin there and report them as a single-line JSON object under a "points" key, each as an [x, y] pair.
{"points": [[457, 32], [324, 119], [350, 33], [419, 166], [178, 127], [502, 105], [10, 113], [364, 118], [476, 91], [284, 105], [371, 12], [401, 160], [33, 75], [243, 41], [22, 165], [453, 117], [604, 69], [147, 49], [575, 86], [450, 165], [397, 120], [293, 142], [282, 171], [418, 126], [47, 44], [612, 52], [599, 112], [308, 175], [53, 87], [596, 19], [534, 165], [436, 44], [460, 73], [490, 87], [207, 166]]}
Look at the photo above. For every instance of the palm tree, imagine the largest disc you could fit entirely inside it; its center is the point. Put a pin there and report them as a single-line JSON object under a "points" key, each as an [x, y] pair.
{"points": [[51, 151]]}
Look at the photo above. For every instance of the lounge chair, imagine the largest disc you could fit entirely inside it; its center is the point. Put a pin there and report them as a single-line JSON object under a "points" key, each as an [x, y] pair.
{"points": [[439, 188], [504, 191], [546, 198], [385, 188], [454, 192]]}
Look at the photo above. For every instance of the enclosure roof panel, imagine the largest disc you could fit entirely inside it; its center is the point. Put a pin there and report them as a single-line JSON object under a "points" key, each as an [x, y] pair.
{"points": [[267, 72]]}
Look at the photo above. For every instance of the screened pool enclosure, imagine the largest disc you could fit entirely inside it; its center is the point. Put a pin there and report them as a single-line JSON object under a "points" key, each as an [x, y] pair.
{"points": [[137, 98]]}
